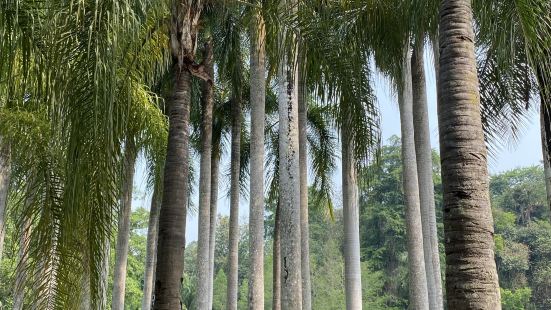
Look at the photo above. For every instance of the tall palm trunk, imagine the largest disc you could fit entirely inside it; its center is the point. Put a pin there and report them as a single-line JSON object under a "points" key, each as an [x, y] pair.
{"points": [[303, 150], [172, 218], [123, 234], [471, 276], [423, 152], [234, 203], [545, 127], [215, 164], [5, 172], [203, 251], [276, 253], [151, 249], [289, 184], [351, 217], [418, 294], [256, 207]]}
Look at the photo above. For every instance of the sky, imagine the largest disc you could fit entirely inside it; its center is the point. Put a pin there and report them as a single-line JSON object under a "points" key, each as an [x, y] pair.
{"points": [[525, 152]]}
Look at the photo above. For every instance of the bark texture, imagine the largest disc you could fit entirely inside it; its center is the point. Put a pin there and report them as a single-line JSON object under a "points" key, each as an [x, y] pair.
{"points": [[471, 276], [123, 233], [423, 152], [418, 292], [233, 259], [151, 250], [172, 218], [303, 160], [203, 252], [351, 217], [289, 185], [5, 173], [215, 167], [276, 253], [256, 206]]}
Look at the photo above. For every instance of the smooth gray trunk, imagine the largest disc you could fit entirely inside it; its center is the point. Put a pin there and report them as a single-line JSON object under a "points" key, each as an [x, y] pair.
{"points": [[303, 159], [234, 203], [215, 164], [351, 217], [418, 292], [471, 275], [276, 258], [423, 152], [123, 234], [5, 173], [289, 185], [151, 249], [256, 206], [203, 252]]}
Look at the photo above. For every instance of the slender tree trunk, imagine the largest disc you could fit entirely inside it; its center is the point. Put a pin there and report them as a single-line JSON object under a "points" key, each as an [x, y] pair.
{"points": [[256, 207], [172, 217], [151, 249], [204, 189], [276, 268], [5, 173], [351, 217], [233, 261], [418, 293], [123, 234], [305, 235], [21, 276], [471, 276], [545, 125], [289, 185], [423, 152], [215, 164]]}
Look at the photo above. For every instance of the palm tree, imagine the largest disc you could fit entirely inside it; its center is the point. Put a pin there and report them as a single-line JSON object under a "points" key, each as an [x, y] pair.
{"points": [[423, 154], [235, 173], [471, 276], [151, 250], [76, 155], [289, 178], [303, 165], [123, 234], [171, 240], [215, 168], [203, 250], [256, 207], [321, 143], [351, 217], [418, 292], [514, 39], [339, 71]]}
